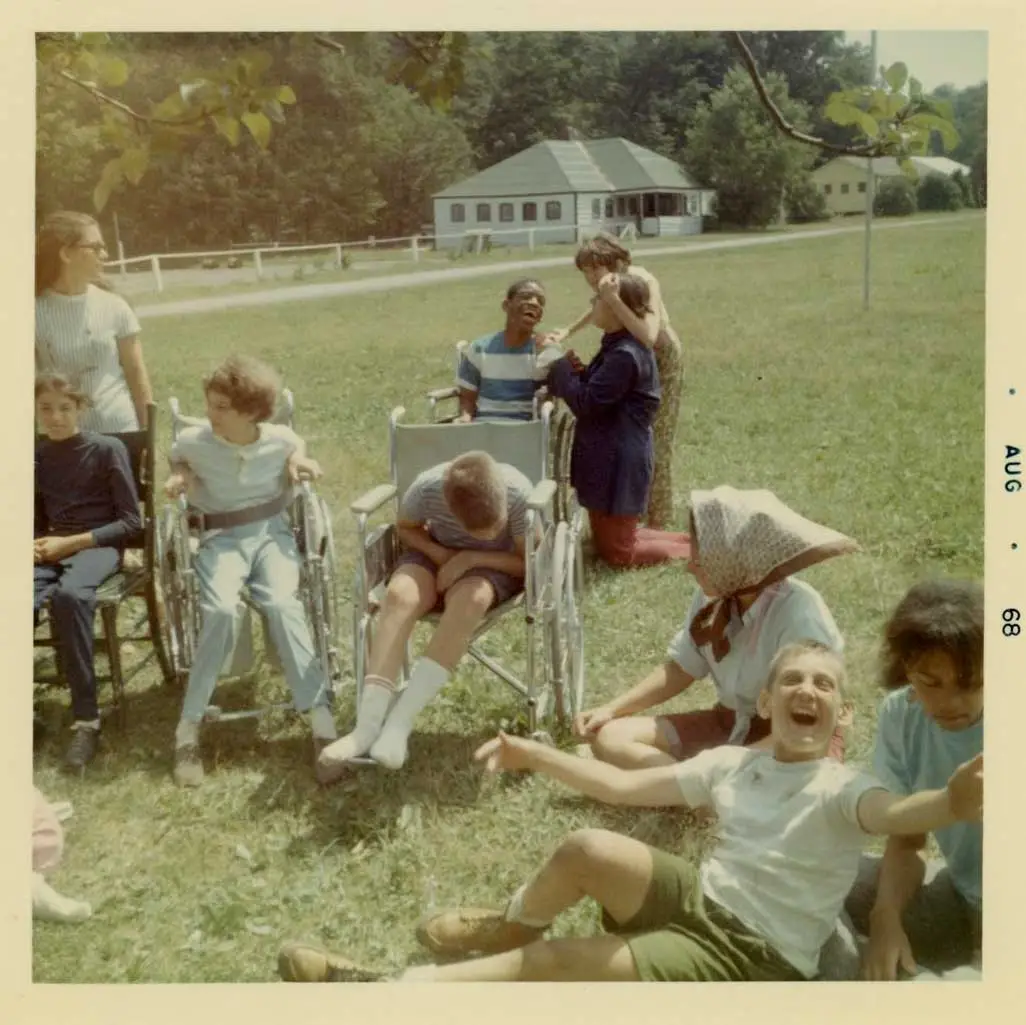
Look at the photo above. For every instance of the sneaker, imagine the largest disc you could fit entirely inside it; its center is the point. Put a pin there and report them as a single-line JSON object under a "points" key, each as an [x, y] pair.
{"points": [[188, 765], [303, 962], [466, 931], [82, 748]]}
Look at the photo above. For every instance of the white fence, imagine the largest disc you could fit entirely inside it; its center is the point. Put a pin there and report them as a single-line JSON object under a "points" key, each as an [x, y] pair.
{"points": [[410, 248]]}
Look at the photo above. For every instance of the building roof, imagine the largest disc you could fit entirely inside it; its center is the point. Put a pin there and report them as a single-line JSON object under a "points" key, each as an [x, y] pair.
{"points": [[596, 165], [887, 167]]}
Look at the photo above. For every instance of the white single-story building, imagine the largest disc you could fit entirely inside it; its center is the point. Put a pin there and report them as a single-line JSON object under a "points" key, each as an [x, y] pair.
{"points": [[558, 191], [843, 180]]}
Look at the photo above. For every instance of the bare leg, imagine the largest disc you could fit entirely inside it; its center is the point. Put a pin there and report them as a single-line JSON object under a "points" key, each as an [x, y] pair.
{"points": [[466, 604], [594, 959], [634, 743], [411, 594]]}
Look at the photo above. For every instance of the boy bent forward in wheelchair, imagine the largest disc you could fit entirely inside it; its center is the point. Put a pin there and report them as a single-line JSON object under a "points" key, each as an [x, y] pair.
{"points": [[462, 526], [238, 472]]}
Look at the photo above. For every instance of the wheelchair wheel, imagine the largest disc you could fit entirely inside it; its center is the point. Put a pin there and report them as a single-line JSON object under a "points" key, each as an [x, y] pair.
{"points": [[179, 623], [562, 448], [565, 628]]}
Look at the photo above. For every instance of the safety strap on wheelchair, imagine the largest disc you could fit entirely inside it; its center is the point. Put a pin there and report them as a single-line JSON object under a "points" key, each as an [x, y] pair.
{"points": [[239, 517]]}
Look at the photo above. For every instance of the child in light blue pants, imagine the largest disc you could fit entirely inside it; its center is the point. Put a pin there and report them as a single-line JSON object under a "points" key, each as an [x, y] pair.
{"points": [[238, 472]]}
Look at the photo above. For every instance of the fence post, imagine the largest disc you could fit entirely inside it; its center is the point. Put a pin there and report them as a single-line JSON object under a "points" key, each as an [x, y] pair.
{"points": [[530, 239], [479, 242], [155, 266], [414, 249], [121, 257], [258, 264], [338, 255]]}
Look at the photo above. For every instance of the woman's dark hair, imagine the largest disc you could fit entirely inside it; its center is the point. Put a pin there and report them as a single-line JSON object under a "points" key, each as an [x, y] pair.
{"points": [[602, 251], [62, 384], [936, 615], [634, 294]]}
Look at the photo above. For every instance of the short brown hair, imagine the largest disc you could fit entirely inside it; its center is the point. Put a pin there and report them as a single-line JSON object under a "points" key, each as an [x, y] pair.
{"points": [[634, 294], [249, 385], [602, 251], [789, 652], [51, 381], [936, 615], [475, 492]]}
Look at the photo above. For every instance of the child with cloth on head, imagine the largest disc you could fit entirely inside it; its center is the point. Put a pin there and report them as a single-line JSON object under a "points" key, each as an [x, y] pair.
{"points": [[462, 525], [792, 823], [614, 400], [924, 918], [86, 511], [746, 547], [238, 470]]}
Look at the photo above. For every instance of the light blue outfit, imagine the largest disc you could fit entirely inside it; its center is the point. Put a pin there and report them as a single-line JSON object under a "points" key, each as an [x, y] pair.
{"points": [[261, 556]]}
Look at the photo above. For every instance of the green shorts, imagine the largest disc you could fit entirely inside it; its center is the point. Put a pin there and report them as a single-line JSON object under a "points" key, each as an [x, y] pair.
{"points": [[679, 935]]}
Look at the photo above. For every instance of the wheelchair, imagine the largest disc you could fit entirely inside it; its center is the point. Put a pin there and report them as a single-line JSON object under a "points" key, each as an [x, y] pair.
{"points": [[177, 542], [550, 603], [561, 431]]}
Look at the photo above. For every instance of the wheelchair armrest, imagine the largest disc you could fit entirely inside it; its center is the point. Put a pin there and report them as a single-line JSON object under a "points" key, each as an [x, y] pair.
{"points": [[373, 500], [542, 495], [438, 394]]}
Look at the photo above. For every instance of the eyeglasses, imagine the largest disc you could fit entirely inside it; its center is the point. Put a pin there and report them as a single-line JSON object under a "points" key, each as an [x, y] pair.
{"points": [[96, 247]]}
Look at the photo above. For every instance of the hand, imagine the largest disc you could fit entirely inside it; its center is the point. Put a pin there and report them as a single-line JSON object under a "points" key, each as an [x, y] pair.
{"points": [[965, 791], [176, 484], [608, 286], [888, 948], [455, 565], [557, 337], [505, 753], [303, 466], [589, 722], [53, 549]]}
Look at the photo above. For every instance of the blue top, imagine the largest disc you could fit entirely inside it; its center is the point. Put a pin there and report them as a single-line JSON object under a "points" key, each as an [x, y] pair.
{"points": [[84, 484], [615, 400], [913, 753], [505, 377]]}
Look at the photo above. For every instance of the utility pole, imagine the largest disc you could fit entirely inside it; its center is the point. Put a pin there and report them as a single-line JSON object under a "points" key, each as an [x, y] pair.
{"points": [[870, 187]]}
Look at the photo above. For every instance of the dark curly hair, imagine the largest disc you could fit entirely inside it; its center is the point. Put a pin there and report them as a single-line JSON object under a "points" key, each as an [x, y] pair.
{"points": [[936, 615]]}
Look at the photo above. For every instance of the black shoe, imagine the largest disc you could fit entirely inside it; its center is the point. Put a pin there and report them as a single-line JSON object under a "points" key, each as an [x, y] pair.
{"points": [[82, 748]]}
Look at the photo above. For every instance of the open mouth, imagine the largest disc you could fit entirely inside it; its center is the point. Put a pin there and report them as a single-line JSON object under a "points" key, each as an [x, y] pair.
{"points": [[803, 717]]}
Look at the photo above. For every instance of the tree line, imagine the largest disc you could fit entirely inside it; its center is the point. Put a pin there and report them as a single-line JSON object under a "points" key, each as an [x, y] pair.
{"points": [[334, 138]]}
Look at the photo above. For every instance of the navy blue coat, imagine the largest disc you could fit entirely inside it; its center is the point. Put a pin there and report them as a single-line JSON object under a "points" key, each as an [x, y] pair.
{"points": [[615, 400]]}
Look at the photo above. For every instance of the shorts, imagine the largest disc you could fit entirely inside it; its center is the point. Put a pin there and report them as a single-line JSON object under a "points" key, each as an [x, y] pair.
{"points": [[690, 732], [504, 585], [679, 935]]}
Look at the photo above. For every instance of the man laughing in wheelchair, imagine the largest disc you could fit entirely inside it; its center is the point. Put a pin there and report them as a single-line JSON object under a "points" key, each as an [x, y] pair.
{"points": [[238, 471]]}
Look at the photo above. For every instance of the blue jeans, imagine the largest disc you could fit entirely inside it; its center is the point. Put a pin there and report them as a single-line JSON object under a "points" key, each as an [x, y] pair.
{"points": [[262, 556]]}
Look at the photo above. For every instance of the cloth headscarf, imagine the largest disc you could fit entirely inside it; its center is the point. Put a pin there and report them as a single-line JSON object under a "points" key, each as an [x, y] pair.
{"points": [[745, 541]]}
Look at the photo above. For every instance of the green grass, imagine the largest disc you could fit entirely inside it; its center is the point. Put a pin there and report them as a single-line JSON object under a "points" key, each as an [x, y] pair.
{"points": [[870, 422]]}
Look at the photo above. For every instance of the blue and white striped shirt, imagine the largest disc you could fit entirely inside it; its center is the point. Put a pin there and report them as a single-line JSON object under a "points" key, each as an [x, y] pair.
{"points": [[505, 378]]}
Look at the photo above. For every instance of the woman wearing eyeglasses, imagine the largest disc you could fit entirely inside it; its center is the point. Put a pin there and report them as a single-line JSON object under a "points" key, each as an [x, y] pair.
{"points": [[85, 330]]}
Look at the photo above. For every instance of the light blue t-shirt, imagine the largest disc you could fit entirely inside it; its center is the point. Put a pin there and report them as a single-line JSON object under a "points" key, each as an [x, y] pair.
{"points": [[784, 613], [504, 378], [913, 753]]}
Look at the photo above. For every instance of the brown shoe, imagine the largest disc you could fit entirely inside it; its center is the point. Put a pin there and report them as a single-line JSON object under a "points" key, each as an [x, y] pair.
{"points": [[303, 962], [466, 931], [188, 766]]}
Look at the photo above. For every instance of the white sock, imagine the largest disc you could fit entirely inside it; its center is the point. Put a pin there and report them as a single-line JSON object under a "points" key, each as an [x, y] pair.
{"points": [[187, 732], [374, 702], [86, 724], [49, 906], [426, 680], [321, 723], [515, 910]]}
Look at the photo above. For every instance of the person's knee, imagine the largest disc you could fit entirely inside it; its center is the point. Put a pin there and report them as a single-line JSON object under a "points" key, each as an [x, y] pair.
{"points": [[73, 599], [612, 739], [582, 849], [406, 598], [613, 552], [470, 598]]}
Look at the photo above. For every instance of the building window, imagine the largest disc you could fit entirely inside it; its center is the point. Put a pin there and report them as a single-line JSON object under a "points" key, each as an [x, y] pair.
{"points": [[632, 206], [505, 211], [596, 208], [457, 213], [530, 212], [553, 210], [609, 208], [621, 206], [484, 212], [862, 186], [845, 189], [827, 189]]}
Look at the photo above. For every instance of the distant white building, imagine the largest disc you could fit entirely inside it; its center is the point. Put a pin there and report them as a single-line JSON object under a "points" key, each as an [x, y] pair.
{"points": [[562, 191], [843, 180]]}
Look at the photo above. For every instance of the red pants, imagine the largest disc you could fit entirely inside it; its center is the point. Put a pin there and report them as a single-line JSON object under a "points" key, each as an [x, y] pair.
{"points": [[691, 732], [619, 541]]}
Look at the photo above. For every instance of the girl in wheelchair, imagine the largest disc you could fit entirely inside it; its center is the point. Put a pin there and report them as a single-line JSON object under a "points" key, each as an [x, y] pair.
{"points": [[237, 471]]}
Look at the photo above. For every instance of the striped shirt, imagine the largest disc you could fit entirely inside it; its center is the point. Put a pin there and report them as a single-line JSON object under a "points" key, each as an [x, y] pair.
{"points": [[424, 504], [228, 477], [505, 378], [78, 335]]}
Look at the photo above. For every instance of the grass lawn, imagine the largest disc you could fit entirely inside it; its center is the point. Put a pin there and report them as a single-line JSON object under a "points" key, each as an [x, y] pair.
{"points": [[871, 423]]}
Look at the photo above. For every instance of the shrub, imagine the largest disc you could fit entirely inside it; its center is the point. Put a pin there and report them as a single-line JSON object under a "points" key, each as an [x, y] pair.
{"points": [[895, 197], [938, 192], [965, 187], [805, 202]]}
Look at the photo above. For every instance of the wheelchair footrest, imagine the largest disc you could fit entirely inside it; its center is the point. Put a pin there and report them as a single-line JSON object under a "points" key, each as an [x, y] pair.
{"points": [[215, 714]]}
